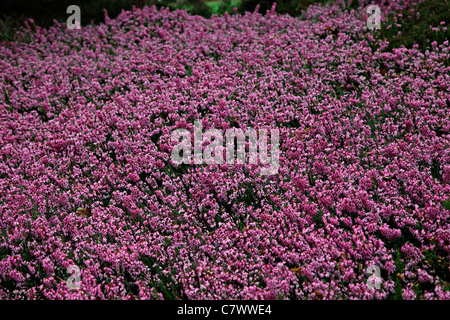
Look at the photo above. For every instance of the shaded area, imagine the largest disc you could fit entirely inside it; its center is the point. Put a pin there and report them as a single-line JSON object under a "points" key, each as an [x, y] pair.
{"points": [[415, 25], [43, 12]]}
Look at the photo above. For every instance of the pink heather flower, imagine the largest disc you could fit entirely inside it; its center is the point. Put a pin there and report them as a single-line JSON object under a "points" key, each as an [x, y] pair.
{"points": [[424, 276], [408, 294], [390, 267], [446, 175], [134, 177], [16, 275], [86, 122], [390, 233]]}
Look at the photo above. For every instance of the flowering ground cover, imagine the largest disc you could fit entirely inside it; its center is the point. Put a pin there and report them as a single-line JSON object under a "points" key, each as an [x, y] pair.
{"points": [[87, 180]]}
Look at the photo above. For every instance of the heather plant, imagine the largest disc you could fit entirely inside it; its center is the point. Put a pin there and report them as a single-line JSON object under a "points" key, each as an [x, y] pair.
{"points": [[216, 147], [92, 205], [420, 24]]}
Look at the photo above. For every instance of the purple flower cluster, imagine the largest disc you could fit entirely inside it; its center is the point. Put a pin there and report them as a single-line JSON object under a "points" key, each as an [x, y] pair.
{"points": [[86, 118]]}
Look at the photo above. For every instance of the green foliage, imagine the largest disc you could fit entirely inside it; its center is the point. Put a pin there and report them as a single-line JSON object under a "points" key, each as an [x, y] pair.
{"points": [[194, 7], [201, 7], [220, 7], [318, 220], [198, 7], [446, 204], [400, 269]]}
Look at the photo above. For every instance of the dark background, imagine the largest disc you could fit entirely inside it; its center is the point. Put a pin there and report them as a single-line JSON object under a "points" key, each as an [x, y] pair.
{"points": [[44, 11]]}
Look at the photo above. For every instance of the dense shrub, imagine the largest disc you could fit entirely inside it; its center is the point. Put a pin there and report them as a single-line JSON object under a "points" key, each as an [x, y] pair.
{"points": [[87, 178]]}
